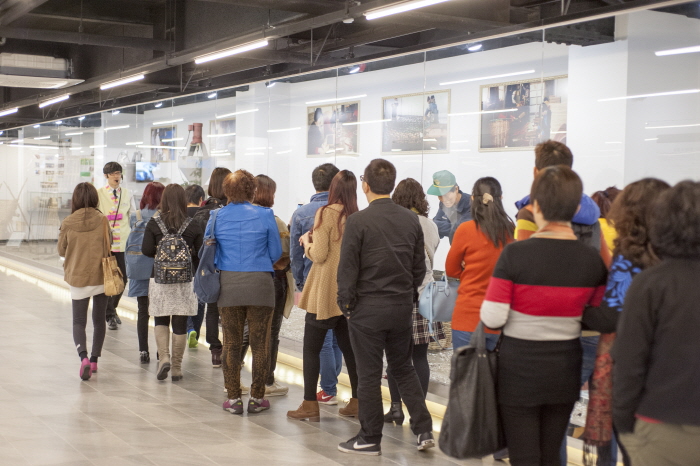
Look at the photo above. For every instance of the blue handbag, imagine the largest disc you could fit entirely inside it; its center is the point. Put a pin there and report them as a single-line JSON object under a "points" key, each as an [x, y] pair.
{"points": [[437, 302], [207, 284]]}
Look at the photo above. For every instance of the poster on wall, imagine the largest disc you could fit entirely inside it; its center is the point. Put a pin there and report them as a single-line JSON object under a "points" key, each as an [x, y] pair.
{"points": [[163, 136], [416, 123], [222, 137], [333, 129], [519, 115]]}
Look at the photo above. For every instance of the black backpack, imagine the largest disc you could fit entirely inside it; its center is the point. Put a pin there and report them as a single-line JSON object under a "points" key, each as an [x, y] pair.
{"points": [[173, 261], [588, 234]]}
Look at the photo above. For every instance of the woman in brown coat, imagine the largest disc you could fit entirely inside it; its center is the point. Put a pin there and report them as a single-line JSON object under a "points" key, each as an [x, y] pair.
{"points": [[322, 246], [83, 241]]}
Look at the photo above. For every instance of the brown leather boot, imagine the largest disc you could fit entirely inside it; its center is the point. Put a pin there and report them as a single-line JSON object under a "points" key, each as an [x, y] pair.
{"points": [[350, 409], [308, 411]]}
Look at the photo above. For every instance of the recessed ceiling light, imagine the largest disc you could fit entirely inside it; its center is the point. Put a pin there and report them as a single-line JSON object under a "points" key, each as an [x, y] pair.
{"points": [[81, 118], [475, 47], [158, 105]]}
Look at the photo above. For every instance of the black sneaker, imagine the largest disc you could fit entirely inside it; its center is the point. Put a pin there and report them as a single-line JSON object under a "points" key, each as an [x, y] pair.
{"points": [[119, 321], [112, 323], [145, 357], [425, 441], [358, 446]]}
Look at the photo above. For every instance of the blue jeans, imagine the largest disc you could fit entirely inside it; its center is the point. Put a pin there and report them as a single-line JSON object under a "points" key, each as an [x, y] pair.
{"points": [[461, 338], [331, 364], [590, 347], [195, 322]]}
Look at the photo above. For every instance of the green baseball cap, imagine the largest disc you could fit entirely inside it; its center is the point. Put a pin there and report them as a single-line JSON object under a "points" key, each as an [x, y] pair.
{"points": [[443, 183]]}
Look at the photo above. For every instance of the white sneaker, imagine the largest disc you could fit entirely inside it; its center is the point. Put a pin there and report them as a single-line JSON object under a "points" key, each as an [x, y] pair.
{"points": [[276, 389], [244, 390]]}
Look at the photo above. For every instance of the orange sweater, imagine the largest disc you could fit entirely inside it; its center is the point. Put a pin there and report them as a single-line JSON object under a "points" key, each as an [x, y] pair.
{"points": [[471, 246]]}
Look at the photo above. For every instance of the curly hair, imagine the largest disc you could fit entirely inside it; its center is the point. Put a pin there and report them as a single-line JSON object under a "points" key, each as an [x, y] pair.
{"points": [[240, 187], [409, 194], [631, 214], [675, 228]]}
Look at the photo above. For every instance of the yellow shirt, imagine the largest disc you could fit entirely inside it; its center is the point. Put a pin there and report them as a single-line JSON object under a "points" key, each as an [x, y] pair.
{"points": [[609, 233]]}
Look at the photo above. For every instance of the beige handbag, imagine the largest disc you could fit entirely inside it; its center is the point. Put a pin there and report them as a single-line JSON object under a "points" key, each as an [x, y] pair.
{"points": [[114, 280], [289, 303]]}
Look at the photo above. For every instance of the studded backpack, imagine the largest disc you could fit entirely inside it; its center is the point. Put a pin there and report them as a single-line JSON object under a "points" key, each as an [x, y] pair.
{"points": [[173, 261]]}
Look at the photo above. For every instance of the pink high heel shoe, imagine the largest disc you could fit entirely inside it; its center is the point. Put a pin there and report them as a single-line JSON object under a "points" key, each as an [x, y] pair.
{"points": [[85, 369]]}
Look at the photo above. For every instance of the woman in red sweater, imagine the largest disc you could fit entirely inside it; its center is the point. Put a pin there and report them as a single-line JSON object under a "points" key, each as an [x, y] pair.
{"points": [[476, 246]]}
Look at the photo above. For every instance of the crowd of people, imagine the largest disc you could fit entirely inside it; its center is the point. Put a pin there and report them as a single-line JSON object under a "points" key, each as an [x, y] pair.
{"points": [[578, 291]]}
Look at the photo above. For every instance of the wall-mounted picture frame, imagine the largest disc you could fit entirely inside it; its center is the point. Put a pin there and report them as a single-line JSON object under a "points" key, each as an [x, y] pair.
{"points": [[519, 115], [221, 140], [333, 129], [416, 123], [163, 136]]}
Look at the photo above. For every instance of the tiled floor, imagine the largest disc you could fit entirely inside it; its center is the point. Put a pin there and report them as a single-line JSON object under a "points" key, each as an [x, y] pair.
{"points": [[124, 416]]}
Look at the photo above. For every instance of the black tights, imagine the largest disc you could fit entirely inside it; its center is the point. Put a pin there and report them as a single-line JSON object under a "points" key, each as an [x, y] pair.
{"points": [[420, 364], [142, 322], [313, 342], [179, 323]]}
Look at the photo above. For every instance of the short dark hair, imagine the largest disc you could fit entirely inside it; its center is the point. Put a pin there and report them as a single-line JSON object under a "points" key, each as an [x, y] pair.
{"points": [[322, 176], [557, 191], [409, 194], [380, 176], [216, 183], [111, 167], [265, 194], [675, 225], [195, 194], [239, 187], [551, 153]]}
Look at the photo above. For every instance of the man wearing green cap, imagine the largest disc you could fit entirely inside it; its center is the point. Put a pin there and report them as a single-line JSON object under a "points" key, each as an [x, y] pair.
{"points": [[455, 207]]}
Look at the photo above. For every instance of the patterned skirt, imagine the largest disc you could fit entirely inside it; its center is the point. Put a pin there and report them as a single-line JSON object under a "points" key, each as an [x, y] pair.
{"points": [[421, 332], [176, 299]]}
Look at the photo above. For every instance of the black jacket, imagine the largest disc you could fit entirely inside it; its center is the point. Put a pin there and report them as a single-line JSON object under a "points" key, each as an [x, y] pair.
{"points": [[464, 212], [201, 218], [382, 257], [193, 236], [656, 353]]}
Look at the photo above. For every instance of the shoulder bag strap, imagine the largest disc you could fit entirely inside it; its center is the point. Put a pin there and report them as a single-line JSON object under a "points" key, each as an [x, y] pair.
{"points": [[213, 224], [184, 226], [161, 225], [107, 239], [116, 214]]}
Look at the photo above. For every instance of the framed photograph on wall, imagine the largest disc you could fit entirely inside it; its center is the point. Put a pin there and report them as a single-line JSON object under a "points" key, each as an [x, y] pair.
{"points": [[222, 137], [519, 115], [163, 136], [333, 129], [416, 123]]}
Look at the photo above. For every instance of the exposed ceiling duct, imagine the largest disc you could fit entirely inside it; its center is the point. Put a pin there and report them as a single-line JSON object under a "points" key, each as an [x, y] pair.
{"points": [[34, 71]]}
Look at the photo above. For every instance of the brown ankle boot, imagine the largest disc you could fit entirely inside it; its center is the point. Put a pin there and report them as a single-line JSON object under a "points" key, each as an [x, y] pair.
{"points": [[350, 409], [308, 411]]}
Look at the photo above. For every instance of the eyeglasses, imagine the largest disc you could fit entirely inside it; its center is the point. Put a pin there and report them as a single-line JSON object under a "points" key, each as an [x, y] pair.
{"points": [[115, 174]]}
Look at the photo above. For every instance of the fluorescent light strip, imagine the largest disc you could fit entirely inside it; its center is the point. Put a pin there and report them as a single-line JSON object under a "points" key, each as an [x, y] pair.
{"points": [[657, 94], [54, 101], [483, 78], [32, 146], [284, 152], [162, 147], [336, 99], [220, 135], [9, 112], [401, 8], [171, 140], [101, 146], [652, 139], [613, 142], [73, 134], [232, 51], [282, 130], [134, 143], [429, 140], [663, 53], [237, 113], [219, 150], [673, 126], [365, 122], [219, 154], [167, 122], [558, 132], [110, 128], [120, 82], [42, 137], [484, 112], [75, 148]]}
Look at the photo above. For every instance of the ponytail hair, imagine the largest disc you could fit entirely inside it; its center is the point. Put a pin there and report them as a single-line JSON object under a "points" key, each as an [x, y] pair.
{"points": [[488, 212]]}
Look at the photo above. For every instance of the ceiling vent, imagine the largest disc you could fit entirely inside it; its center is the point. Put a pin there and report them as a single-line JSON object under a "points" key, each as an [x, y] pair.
{"points": [[34, 71]]}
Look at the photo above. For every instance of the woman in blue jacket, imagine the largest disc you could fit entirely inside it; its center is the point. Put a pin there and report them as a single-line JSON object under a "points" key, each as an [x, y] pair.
{"points": [[247, 245]]}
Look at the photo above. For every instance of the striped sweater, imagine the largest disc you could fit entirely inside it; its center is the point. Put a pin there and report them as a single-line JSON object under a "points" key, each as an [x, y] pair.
{"points": [[541, 287]]}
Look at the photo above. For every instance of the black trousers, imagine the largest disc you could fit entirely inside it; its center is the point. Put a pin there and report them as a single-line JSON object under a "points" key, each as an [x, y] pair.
{"points": [[179, 323], [80, 315], [420, 364], [113, 301], [142, 322], [276, 325], [314, 336], [212, 320], [375, 330], [534, 433]]}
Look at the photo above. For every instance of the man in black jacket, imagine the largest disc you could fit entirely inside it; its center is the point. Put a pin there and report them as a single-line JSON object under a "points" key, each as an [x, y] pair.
{"points": [[382, 263]]}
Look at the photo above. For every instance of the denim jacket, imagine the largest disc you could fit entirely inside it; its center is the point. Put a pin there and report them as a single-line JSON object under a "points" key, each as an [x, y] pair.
{"points": [[247, 238], [303, 221]]}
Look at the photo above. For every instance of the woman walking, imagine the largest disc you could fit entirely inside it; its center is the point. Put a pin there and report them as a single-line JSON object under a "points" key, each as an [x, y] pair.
{"points": [[139, 288], [83, 241], [322, 246], [172, 303], [247, 246], [409, 194], [475, 249]]}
